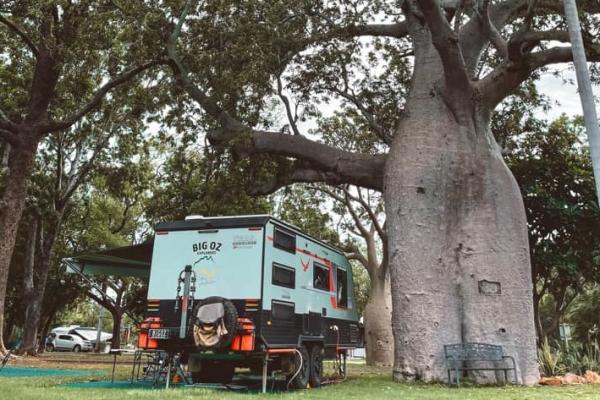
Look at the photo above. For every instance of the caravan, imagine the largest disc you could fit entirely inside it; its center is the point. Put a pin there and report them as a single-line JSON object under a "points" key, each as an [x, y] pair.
{"points": [[247, 291]]}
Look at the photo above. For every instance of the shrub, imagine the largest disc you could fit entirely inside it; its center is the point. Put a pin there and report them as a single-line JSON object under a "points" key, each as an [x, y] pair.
{"points": [[580, 358], [549, 359]]}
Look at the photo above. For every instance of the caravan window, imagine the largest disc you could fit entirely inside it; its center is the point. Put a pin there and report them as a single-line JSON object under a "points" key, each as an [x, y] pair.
{"points": [[342, 287], [283, 311], [284, 240], [284, 276], [320, 276]]}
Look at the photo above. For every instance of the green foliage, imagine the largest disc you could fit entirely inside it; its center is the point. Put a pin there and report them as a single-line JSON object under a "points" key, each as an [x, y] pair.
{"points": [[306, 209], [575, 358], [584, 316], [549, 360], [553, 169], [578, 358], [82, 313], [362, 286], [193, 181]]}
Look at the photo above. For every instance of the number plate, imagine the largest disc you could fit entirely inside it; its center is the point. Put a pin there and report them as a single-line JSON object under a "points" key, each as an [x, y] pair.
{"points": [[159, 333]]}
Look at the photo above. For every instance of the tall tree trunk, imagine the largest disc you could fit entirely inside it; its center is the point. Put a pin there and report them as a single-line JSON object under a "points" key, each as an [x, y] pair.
{"points": [[539, 326], [47, 323], [117, 317], [378, 322], [457, 234], [20, 167], [35, 302], [29, 332], [584, 84]]}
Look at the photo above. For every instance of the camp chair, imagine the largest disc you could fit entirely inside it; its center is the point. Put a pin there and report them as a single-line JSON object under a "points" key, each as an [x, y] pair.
{"points": [[8, 354], [5, 359]]}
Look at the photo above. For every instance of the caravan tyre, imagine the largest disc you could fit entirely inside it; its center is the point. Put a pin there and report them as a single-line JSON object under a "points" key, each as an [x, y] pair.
{"points": [[316, 366], [300, 379], [231, 322]]}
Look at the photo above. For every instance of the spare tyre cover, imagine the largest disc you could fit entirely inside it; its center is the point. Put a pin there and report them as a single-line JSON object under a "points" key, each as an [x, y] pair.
{"points": [[215, 323]]}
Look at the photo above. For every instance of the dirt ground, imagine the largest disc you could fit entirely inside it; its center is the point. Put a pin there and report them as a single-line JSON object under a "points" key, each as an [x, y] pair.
{"points": [[71, 360]]}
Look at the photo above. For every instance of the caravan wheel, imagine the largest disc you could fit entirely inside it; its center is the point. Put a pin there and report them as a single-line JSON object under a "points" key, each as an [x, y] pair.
{"points": [[300, 378], [316, 366]]}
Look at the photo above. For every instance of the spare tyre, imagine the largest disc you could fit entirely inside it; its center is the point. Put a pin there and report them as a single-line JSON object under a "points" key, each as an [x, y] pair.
{"points": [[214, 323]]}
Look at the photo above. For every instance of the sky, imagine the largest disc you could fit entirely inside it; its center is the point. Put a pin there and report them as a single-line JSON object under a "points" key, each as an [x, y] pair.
{"points": [[565, 93]]}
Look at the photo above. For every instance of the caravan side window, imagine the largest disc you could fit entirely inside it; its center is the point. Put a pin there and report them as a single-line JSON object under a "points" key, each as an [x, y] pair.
{"points": [[284, 240], [282, 310], [342, 287], [283, 276], [320, 276]]}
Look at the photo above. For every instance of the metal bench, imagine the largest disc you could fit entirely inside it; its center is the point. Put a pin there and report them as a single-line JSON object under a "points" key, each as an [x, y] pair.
{"points": [[458, 354]]}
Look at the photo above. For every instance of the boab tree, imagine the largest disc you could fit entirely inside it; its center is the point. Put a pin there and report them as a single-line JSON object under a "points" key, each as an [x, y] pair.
{"points": [[456, 227]]}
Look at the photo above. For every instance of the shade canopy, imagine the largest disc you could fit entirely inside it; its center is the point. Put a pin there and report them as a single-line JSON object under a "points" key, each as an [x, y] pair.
{"points": [[121, 261]]}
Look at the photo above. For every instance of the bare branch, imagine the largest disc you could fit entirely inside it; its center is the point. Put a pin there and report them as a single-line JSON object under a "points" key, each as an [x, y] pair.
{"points": [[360, 258], [510, 74], [99, 96], [320, 162], [8, 125], [232, 127], [360, 169], [372, 216], [473, 38], [377, 128], [446, 43], [354, 253], [397, 30], [288, 109], [84, 170], [300, 174], [16, 29], [492, 32], [10, 137], [357, 222]]}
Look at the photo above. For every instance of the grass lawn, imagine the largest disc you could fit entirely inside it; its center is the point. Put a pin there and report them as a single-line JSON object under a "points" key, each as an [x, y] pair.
{"points": [[363, 383]]}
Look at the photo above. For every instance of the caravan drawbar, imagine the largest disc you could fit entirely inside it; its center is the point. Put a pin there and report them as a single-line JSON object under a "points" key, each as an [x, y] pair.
{"points": [[251, 292]]}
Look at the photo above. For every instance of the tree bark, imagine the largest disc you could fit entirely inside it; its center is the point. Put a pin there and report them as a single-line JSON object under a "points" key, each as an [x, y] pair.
{"points": [[378, 323], [45, 329], [20, 167], [584, 84], [117, 317], [31, 307], [457, 235], [36, 299], [539, 326]]}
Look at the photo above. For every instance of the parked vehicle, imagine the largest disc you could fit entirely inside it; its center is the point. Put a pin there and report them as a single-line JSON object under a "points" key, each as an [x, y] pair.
{"points": [[249, 291], [68, 342]]}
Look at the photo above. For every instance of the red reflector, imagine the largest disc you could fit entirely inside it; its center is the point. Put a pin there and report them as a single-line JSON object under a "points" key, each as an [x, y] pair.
{"points": [[162, 233], [255, 228]]}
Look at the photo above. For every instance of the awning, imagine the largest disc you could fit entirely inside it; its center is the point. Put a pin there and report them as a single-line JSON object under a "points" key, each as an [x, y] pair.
{"points": [[121, 261]]}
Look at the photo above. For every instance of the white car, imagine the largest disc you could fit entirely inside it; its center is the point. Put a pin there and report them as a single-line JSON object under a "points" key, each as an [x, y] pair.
{"points": [[67, 342]]}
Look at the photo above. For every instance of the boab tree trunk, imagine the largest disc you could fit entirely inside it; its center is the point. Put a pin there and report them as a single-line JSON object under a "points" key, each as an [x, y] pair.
{"points": [[378, 323], [458, 244]]}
